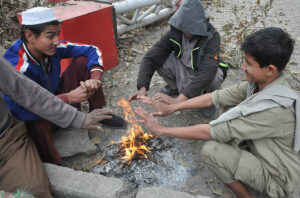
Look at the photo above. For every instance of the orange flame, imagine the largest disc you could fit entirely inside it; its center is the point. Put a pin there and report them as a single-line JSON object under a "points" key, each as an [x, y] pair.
{"points": [[135, 144]]}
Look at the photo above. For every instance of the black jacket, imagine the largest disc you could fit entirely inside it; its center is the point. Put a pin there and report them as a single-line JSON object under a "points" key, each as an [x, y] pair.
{"points": [[204, 57]]}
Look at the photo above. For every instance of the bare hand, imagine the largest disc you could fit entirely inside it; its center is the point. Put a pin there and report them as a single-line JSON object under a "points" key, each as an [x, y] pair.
{"points": [[79, 95], [148, 120], [92, 118], [164, 98], [136, 95], [161, 108], [90, 85]]}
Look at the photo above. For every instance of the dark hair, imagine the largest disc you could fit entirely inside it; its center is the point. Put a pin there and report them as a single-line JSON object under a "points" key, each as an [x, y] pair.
{"points": [[36, 29], [269, 46]]}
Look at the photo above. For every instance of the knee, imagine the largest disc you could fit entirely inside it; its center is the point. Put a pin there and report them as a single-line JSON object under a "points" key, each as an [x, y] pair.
{"points": [[80, 60], [208, 150]]}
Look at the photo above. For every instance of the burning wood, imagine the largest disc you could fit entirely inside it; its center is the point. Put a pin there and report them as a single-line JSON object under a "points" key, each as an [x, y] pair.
{"points": [[135, 144]]}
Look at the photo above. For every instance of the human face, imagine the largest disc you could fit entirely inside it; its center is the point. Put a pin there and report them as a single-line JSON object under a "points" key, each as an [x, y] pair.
{"points": [[253, 73], [45, 43], [188, 35]]}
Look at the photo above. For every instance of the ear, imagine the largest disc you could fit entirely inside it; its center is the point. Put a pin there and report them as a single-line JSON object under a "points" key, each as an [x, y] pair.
{"points": [[30, 36], [271, 70]]}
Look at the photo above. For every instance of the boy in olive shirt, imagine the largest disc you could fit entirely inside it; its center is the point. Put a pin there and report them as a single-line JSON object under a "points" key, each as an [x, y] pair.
{"points": [[256, 142]]}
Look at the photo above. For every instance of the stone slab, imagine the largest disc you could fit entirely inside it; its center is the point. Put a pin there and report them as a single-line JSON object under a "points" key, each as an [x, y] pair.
{"points": [[68, 183], [73, 141], [156, 192]]}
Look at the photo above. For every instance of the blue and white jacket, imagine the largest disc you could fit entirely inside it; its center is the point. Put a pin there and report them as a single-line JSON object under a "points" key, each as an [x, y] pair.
{"points": [[25, 63]]}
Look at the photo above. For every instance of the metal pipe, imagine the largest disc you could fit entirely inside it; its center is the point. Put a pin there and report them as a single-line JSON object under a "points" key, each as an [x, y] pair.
{"points": [[146, 21], [146, 13], [136, 14], [127, 5], [158, 9], [124, 20]]}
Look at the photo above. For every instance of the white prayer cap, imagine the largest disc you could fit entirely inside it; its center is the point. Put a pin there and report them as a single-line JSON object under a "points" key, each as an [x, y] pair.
{"points": [[38, 15]]}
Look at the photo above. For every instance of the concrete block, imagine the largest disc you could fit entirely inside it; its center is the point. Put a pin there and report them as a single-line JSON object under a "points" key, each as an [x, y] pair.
{"points": [[73, 141], [156, 192], [68, 183]]}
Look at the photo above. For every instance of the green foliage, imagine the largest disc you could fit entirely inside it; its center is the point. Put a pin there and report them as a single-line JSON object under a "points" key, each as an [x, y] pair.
{"points": [[19, 194]]}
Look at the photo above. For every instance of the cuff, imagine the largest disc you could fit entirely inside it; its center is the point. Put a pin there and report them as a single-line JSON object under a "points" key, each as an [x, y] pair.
{"points": [[212, 132], [64, 98], [96, 68], [96, 74], [78, 120], [214, 98]]}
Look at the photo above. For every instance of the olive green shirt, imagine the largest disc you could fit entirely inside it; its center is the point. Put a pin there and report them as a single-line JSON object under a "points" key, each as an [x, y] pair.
{"points": [[269, 134]]}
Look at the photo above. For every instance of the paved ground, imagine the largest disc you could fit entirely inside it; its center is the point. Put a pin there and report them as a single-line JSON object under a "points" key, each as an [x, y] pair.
{"points": [[230, 17], [234, 19]]}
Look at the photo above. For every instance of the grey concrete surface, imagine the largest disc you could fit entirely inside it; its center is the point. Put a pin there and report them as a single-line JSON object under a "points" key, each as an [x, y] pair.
{"points": [[155, 192], [70, 142], [67, 183], [283, 13]]}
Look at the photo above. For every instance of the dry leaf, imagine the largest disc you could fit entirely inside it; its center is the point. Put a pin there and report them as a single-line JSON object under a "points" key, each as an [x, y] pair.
{"points": [[217, 191], [96, 140]]}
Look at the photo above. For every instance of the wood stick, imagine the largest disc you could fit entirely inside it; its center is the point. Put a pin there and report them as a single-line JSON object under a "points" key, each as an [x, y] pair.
{"points": [[161, 148], [95, 163]]}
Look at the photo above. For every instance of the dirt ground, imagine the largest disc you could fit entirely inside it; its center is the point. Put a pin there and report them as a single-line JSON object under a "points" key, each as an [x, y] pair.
{"points": [[120, 82]]}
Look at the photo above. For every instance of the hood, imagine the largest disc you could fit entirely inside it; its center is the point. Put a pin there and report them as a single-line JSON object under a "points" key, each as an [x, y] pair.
{"points": [[191, 18]]}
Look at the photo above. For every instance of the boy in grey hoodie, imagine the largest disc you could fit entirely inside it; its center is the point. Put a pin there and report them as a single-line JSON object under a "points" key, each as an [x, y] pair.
{"points": [[187, 57]]}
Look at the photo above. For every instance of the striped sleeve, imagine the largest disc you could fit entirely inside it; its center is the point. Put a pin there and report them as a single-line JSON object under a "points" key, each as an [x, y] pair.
{"points": [[94, 55]]}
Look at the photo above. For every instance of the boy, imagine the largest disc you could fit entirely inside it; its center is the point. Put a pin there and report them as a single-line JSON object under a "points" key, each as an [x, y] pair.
{"points": [[186, 57], [37, 55]]}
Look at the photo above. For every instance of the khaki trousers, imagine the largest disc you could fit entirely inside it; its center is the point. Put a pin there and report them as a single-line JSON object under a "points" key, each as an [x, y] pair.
{"points": [[20, 165], [230, 163]]}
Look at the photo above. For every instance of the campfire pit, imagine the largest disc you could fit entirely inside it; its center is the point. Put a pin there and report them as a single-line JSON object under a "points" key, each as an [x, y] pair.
{"points": [[139, 157], [171, 163]]}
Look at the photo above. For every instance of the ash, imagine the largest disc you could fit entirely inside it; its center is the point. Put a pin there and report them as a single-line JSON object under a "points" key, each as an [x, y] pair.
{"points": [[162, 168]]}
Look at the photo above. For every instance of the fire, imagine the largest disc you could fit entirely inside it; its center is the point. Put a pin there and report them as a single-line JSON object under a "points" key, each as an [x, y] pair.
{"points": [[135, 144]]}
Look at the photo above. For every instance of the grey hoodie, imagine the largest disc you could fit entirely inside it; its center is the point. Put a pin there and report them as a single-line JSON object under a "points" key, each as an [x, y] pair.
{"points": [[191, 18]]}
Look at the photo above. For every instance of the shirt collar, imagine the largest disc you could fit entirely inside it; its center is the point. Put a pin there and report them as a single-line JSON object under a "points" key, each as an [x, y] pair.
{"points": [[30, 56], [252, 88]]}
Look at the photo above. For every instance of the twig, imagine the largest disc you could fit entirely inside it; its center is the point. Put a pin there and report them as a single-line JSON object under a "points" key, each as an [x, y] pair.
{"points": [[125, 163], [95, 163], [113, 144], [161, 148]]}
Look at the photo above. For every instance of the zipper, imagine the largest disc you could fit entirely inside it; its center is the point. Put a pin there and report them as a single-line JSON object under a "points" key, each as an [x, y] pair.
{"points": [[192, 58], [179, 47], [46, 74]]}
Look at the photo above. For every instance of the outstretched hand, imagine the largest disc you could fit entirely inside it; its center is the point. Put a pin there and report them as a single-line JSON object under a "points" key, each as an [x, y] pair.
{"points": [[162, 109], [137, 94], [94, 117], [164, 98], [148, 120]]}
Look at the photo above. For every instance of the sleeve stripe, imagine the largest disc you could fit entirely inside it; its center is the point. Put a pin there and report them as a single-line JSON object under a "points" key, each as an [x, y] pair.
{"points": [[98, 51], [96, 69], [22, 62]]}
